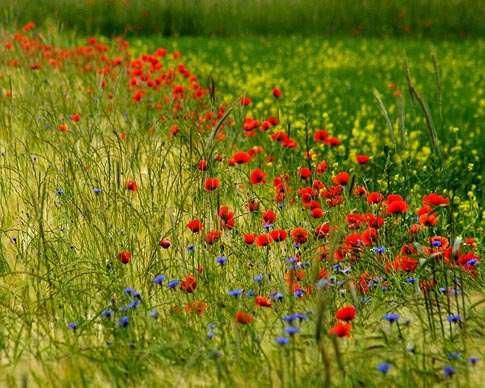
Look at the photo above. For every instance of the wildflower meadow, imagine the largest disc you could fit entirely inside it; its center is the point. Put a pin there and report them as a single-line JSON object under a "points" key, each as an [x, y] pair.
{"points": [[260, 209]]}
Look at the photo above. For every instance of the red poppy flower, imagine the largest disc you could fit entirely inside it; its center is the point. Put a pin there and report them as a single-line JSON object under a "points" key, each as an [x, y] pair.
{"points": [[278, 235], [257, 176], [415, 228], [225, 213], [317, 212], [433, 199], [197, 306], [332, 141], [341, 329], [362, 159], [405, 263], [263, 301], [425, 209], [249, 238], [250, 124], [131, 185], [323, 273], [346, 313], [195, 225], [174, 130], [64, 128], [243, 317], [28, 26], [269, 217], [241, 157], [299, 235], [320, 135], [164, 243], [342, 178], [246, 101], [277, 92], [253, 205], [397, 207], [368, 236], [202, 165], [318, 184], [137, 96], [359, 191], [188, 284], [212, 236], [374, 221], [465, 259], [124, 257], [428, 219], [75, 117], [322, 230], [263, 240], [322, 167], [374, 197], [304, 172], [210, 184]]}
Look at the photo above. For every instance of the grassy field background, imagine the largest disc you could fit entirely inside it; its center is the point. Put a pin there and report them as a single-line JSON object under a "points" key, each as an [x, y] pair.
{"points": [[431, 18], [100, 166]]}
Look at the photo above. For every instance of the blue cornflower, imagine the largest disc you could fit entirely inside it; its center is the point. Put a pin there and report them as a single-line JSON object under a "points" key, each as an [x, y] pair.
{"points": [[123, 321], [221, 260], [454, 355], [472, 262], [154, 313], [454, 318], [288, 318], [298, 293], [411, 280], [346, 271], [132, 292], [392, 317], [249, 293], [258, 278], [159, 279], [436, 243], [323, 282], [173, 283], [107, 313], [277, 296], [60, 191], [210, 335], [301, 316], [295, 316], [473, 360], [267, 227], [191, 248], [72, 326], [378, 250], [384, 367], [130, 306], [292, 260], [282, 340], [336, 267], [97, 190], [236, 292], [292, 330], [448, 371]]}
